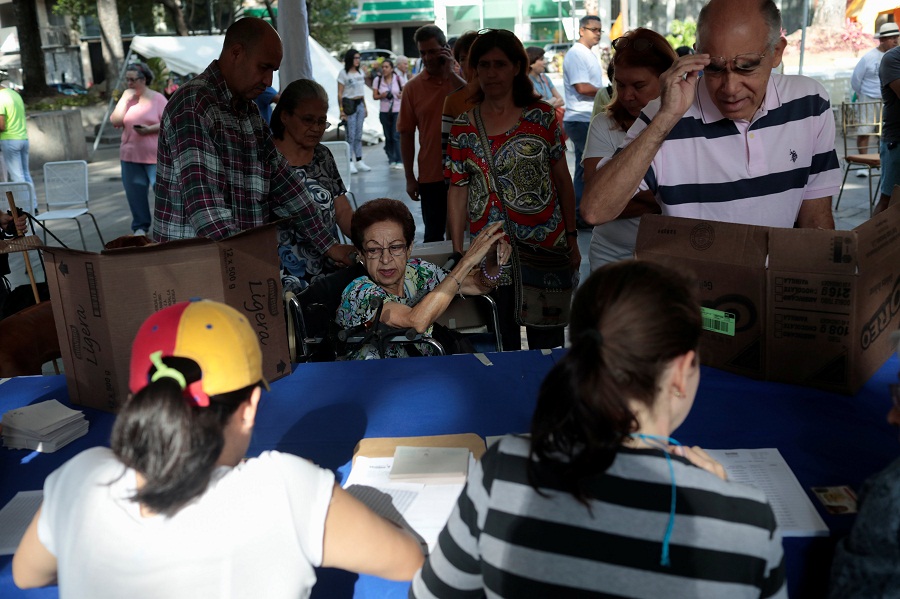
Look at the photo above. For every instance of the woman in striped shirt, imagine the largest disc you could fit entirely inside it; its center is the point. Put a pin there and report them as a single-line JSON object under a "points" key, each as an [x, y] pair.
{"points": [[600, 501]]}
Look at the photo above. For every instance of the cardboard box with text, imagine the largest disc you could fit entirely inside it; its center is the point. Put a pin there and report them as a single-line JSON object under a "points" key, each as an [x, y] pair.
{"points": [[825, 302], [100, 300]]}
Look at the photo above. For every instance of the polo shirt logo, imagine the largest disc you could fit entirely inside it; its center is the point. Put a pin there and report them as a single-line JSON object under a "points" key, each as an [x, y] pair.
{"points": [[793, 156]]}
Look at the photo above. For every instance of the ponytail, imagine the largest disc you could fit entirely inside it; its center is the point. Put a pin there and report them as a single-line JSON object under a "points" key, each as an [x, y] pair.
{"points": [[173, 443]]}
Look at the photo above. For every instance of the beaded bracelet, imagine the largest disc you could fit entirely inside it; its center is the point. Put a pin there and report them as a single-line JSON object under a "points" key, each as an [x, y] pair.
{"points": [[492, 281]]}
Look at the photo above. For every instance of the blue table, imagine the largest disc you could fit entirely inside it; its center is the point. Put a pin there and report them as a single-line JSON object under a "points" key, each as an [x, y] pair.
{"points": [[322, 410]]}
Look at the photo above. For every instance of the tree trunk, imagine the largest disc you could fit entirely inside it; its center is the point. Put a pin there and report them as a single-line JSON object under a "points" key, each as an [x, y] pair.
{"points": [[34, 69], [174, 9], [111, 40], [830, 14]]}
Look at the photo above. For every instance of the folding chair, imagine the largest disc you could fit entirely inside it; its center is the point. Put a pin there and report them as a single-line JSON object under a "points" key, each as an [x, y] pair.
{"points": [[341, 152], [860, 118], [23, 193], [66, 192]]}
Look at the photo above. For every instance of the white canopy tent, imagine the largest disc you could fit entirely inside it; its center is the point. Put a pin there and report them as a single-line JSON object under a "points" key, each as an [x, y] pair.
{"points": [[190, 55]]}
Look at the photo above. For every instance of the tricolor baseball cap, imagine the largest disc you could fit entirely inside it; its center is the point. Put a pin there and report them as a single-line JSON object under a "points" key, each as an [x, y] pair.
{"points": [[215, 336]]}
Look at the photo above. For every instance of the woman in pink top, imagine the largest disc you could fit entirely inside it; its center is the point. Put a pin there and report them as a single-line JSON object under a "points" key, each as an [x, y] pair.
{"points": [[138, 113]]}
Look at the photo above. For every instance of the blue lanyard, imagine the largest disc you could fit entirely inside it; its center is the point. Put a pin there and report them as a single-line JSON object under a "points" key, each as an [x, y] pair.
{"points": [[661, 443]]}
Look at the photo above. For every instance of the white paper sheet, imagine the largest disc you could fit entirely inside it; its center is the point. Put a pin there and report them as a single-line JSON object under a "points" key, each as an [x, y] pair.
{"points": [[15, 518], [425, 514], [766, 470]]}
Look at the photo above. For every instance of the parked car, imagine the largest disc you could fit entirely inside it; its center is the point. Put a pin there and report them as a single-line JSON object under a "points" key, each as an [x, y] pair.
{"points": [[69, 89], [366, 56], [553, 54]]}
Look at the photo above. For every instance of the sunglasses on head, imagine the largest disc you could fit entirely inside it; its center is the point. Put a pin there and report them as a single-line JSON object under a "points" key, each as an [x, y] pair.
{"points": [[638, 45]]}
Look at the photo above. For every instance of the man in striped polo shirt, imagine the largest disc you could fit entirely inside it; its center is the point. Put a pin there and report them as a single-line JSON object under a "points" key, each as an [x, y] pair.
{"points": [[743, 145]]}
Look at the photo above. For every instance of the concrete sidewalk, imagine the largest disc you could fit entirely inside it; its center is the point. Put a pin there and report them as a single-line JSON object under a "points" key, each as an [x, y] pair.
{"points": [[108, 204]]}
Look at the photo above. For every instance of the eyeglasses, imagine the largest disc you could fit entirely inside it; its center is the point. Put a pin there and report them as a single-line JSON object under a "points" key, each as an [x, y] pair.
{"points": [[374, 253], [742, 63], [593, 29], [638, 45], [133, 79], [311, 121]]}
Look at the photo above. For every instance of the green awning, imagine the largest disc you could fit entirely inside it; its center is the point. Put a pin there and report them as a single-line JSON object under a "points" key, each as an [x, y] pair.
{"points": [[381, 11]]}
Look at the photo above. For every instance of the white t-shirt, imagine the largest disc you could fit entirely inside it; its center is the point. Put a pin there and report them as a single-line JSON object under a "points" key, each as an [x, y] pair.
{"points": [[354, 83], [612, 241], [580, 66], [257, 531]]}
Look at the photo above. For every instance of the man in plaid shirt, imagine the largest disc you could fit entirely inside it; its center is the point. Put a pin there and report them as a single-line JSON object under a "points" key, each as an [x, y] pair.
{"points": [[218, 171]]}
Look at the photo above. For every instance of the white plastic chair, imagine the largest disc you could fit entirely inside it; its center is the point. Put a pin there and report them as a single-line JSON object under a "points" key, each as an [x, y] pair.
{"points": [[66, 192], [341, 152], [23, 195]]}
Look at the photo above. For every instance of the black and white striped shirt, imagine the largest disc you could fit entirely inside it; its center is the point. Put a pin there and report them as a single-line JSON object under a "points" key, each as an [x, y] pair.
{"points": [[506, 540]]}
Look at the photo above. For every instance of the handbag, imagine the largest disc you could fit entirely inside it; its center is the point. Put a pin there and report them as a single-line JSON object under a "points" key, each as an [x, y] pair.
{"points": [[349, 105], [542, 277]]}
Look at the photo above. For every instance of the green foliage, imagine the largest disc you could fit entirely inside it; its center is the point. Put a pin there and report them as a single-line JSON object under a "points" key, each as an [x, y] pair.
{"points": [[682, 33], [75, 9], [329, 22], [60, 101]]}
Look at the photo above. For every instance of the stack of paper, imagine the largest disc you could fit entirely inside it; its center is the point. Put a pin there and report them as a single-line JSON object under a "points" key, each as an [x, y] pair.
{"points": [[44, 426], [434, 465]]}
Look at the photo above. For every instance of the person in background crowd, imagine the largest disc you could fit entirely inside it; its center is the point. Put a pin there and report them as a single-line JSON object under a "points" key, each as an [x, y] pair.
{"points": [[423, 100], [744, 145], [582, 79], [9, 227], [866, 83], [599, 500], [604, 95], [219, 171], [459, 100], [14, 139], [138, 113], [351, 82], [264, 102], [298, 124], [890, 126], [172, 509], [641, 56], [388, 87], [542, 84], [403, 67]]}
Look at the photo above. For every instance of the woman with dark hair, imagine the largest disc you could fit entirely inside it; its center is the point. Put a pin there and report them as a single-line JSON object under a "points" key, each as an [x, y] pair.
{"points": [[388, 87], [138, 113], [173, 510], [298, 123], [413, 292], [351, 82], [522, 178], [600, 500], [641, 56], [542, 84]]}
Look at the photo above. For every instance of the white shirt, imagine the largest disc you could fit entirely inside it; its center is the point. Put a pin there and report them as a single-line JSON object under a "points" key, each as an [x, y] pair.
{"points": [[354, 83], [580, 66], [257, 531], [865, 79]]}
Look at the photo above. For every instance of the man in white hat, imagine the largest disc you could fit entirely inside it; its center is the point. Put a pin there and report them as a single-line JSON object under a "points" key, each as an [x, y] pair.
{"points": [[866, 82]]}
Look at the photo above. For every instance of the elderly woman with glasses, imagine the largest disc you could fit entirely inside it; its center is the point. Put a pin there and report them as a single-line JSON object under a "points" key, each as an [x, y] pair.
{"points": [[298, 124], [138, 113], [641, 56], [413, 292], [522, 178]]}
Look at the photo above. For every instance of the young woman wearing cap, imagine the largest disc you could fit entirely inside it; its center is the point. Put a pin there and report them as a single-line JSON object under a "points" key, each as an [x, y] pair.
{"points": [[171, 511]]}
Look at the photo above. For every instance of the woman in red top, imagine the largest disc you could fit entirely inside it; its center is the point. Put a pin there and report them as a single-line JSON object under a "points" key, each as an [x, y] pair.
{"points": [[532, 179]]}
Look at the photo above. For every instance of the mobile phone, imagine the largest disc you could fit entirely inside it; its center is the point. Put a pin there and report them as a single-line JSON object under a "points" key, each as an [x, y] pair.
{"points": [[139, 126]]}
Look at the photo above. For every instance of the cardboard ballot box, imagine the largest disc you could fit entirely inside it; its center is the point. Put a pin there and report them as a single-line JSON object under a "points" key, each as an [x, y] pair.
{"points": [[100, 301], [802, 306]]}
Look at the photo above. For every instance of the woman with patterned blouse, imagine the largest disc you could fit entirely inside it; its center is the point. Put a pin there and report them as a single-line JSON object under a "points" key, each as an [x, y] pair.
{"points": [[413, 292], [529, 162], [298, 123]]}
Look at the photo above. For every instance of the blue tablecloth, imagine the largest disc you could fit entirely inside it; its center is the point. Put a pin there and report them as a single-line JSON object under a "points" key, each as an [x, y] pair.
{"points": [[322, 410]]}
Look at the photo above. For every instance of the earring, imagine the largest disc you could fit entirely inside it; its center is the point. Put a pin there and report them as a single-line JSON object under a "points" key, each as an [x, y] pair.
{"points": [[678, 394]]}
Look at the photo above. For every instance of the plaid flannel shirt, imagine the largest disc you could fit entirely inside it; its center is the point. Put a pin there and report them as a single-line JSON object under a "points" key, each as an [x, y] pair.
{"points": [[219, 172]]}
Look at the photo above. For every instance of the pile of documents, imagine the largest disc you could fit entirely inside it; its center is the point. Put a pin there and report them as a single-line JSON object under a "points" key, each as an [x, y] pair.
{"points": [[44, 426]]}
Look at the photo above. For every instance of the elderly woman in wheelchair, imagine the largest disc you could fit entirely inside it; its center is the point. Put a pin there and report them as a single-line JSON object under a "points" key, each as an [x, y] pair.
{"points": [[404, 292]]}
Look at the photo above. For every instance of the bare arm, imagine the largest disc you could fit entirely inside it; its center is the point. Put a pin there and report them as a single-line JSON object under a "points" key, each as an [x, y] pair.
{"points": [[558, 99], [340, 99], [457, 215], [608, 191], [566, 193], [32, 565], [118, 114], [342, 214], [358, 540], [586, 89], [420, 316], [816, 214]]}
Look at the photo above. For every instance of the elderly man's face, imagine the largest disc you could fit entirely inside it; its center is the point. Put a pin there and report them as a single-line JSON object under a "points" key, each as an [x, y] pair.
{"points": [[728, 34], [888, 43]]}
